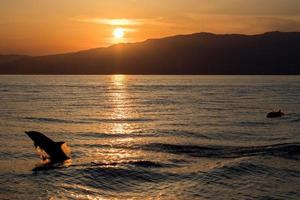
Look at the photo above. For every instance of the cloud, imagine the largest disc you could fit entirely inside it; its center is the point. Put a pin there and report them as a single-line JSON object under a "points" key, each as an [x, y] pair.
{"points": [[248, 24], [113, 22]]}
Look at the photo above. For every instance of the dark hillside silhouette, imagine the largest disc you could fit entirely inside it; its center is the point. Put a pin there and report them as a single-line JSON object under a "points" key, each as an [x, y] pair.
{"points": [[199, 53]]}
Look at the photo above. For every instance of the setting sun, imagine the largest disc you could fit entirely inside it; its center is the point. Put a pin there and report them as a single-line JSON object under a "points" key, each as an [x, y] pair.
{"points": [[118, 33]]}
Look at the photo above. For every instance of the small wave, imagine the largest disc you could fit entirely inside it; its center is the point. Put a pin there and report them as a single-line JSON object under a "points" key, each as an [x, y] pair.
{"points": [[138, 163], [51, 166], [254, 123], [115, 135], [86, 121], [295, 120], [239, 169], [9, 155], [117, 179], [292, 117], [68, 164], [142, 134], [33, 91], [167, 133], [288, 150], [184, 134], [50, 120], [117, 120]]}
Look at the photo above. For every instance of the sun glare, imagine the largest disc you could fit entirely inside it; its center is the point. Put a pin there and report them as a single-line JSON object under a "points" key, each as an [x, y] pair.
{"points": [[119, 33]]}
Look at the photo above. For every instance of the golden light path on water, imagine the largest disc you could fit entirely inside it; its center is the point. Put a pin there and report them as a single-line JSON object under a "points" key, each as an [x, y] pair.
{"points": [[120, 111], [120, 114]]}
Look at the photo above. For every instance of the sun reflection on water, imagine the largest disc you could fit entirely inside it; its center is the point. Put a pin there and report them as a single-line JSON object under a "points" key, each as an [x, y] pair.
{"points": [[119, 80], [119, 102], [120, 114]]}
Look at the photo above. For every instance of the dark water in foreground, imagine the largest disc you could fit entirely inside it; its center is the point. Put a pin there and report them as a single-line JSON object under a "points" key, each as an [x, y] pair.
{"points": [[152, 137]]}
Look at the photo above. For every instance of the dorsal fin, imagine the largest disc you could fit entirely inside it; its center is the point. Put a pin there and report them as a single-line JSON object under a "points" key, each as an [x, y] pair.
{"points": [[38, 137]]}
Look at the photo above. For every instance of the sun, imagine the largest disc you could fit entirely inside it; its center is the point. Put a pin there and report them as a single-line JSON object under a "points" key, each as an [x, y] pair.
{"points": [[119, 33]]}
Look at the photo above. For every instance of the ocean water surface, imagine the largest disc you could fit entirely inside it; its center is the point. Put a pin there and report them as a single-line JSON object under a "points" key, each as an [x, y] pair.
{"points": [[152, 137]]}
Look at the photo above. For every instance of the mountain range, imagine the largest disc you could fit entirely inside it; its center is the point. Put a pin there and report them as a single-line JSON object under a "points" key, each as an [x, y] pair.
{"points": [[198, 53]]}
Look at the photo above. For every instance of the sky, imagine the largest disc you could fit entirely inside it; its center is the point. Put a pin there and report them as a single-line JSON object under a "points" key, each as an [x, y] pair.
{"points": [[39, 27]]}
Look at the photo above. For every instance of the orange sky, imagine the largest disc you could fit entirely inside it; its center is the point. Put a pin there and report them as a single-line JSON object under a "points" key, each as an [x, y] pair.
{"points": [[38, 27]]}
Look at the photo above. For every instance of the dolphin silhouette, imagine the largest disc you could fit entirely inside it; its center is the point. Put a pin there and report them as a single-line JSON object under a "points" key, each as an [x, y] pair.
{"points": [[54, 151], [275, 114]]}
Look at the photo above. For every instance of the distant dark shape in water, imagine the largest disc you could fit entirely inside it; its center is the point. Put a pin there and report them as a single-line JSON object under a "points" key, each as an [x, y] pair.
{"points": [[48, 149], [274, 114]]}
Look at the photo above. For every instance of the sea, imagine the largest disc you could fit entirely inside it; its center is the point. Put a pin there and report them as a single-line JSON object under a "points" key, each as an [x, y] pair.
{"points": [[151, 137]]}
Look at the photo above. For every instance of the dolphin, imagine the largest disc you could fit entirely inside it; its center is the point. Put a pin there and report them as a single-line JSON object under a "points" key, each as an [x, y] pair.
{"points": [[48, 149], [274, 114]]}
